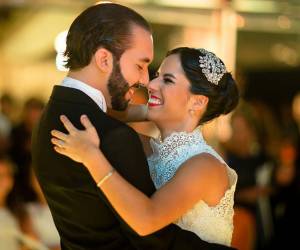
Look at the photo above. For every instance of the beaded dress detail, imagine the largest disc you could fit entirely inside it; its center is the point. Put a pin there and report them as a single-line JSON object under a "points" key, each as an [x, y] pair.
{"points": [[211, 223]]}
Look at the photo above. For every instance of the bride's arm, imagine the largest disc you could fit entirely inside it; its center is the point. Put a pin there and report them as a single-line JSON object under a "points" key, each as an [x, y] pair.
{"points": [[134, 113], [198, 178]]}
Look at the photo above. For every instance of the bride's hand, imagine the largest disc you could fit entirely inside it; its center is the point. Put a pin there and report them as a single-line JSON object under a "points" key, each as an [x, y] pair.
{"points": [[78, 144]]}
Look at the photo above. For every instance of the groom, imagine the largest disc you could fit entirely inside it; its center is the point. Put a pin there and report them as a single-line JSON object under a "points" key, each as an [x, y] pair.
{"points": [[109, 48]]}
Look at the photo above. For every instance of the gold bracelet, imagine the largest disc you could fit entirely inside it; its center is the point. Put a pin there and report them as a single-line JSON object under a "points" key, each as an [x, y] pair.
{"points": [[109, 174]]}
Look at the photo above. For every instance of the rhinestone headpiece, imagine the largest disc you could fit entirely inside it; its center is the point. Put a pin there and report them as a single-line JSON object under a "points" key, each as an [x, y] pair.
{"points": [[212, 66]]}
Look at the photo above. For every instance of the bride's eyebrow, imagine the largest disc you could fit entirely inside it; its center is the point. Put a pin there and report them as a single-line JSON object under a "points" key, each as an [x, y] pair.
{"points": [[169, 75]]}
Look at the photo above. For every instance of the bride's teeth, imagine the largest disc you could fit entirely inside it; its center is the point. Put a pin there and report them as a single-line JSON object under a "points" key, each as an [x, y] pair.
{"points": [[154, 101]]}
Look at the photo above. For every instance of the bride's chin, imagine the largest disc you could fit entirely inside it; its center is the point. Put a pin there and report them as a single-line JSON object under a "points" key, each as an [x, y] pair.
{"points": [[152, 116]]}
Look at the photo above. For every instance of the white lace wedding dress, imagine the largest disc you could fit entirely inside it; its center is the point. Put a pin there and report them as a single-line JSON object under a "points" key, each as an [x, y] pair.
{"points": [[212, 224]]}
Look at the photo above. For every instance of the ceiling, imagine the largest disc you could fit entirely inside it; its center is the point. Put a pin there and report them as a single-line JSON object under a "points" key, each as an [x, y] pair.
{"points": [[268, 33]]}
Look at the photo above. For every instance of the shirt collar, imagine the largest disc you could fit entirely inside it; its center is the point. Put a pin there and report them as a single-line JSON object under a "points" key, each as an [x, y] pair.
{"points": [[95, 94]]}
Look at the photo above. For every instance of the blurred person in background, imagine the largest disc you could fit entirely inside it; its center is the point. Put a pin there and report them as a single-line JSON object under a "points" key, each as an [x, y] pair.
{"points": [[20, 150], [6, 111], [42, 227], [8, 107], [10, 210], [267, 126], [14, 226], [287, 177], [255, 169], [5, 129]]}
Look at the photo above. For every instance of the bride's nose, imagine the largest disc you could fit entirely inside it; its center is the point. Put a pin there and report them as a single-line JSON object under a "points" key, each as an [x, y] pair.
{"points": [[153, 85]]}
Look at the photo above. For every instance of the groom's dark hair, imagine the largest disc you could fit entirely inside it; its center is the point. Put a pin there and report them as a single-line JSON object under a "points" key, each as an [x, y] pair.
{"points": [[104, 25]]}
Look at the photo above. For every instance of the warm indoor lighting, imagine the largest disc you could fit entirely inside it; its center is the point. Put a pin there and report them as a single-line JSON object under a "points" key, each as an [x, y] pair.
{"points": [[240, 20], [100, 2], [60, 47], [284, 22]]}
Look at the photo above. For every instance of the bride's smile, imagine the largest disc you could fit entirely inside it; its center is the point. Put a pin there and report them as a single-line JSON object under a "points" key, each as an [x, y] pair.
{"points": [[154, 101]]}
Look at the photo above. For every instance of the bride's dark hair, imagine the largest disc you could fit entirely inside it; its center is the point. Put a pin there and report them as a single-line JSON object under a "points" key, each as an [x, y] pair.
{"points": [[223, 97]]}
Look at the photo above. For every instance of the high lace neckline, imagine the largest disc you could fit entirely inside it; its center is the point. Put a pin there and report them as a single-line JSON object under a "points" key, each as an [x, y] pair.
{"points": [[175, 140]]}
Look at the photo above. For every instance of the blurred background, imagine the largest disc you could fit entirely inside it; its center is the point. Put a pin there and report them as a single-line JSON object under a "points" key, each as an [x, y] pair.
{"points": [[259, 41]]}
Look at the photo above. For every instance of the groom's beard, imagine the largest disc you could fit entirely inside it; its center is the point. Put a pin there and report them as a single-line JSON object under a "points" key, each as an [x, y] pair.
{"points": [[118, 87]]}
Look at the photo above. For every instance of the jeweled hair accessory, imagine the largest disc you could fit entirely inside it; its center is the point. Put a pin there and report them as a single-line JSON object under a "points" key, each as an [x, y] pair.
{"points": [[212, 66]]}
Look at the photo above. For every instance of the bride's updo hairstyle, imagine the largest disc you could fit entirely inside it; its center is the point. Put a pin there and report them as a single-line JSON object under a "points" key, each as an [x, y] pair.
{"points": [[208, 76]]}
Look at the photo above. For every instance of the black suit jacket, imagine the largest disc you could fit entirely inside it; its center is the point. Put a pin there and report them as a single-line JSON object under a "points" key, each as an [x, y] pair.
{"points": [[84, 218]]}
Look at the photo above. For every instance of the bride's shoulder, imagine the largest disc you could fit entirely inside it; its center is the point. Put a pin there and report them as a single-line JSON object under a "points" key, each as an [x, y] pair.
{"points": [[206, 162], [212, 175]]}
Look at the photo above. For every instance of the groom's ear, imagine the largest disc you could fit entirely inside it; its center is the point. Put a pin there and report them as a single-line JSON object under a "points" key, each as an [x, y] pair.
{"points": [[104, 59]]}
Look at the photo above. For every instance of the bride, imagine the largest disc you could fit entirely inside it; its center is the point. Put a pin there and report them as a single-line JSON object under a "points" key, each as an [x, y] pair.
{"points": [[195, 187]]}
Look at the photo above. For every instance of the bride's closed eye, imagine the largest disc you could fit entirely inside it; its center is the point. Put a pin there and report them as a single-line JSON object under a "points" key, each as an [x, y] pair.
{"points": [[168, 80]]}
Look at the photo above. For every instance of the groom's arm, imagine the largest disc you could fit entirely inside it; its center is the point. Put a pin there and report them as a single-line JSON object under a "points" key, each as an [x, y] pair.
{"points": [[124, 151]]}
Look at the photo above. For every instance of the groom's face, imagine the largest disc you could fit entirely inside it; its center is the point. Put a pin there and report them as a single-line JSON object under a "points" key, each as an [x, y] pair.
{"points": [[132, 68]]}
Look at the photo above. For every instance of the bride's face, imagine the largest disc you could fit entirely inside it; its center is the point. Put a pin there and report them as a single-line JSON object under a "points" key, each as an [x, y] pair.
{"points": [[169, 94]]}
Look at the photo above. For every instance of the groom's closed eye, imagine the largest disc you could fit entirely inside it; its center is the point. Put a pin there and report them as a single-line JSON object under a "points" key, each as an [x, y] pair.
{"points": [[139, 67], [136, 86]]}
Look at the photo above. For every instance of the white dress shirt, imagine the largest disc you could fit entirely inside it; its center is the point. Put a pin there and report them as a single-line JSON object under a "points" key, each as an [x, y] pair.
{"points": [[95, 94]]}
